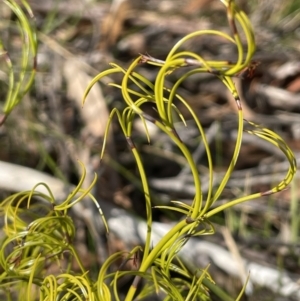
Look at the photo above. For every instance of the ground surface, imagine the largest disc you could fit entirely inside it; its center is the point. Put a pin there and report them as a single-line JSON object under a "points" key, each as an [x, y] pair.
{"points": [[50, 131]]}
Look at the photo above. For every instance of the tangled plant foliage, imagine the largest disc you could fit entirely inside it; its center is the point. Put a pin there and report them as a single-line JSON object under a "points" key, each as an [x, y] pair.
{"points": [[39, 234], [35, 255], [19, 82]]}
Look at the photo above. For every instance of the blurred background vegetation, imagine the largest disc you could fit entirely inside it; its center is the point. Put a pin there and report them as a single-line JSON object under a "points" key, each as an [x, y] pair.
{"points": [[49, 131]]}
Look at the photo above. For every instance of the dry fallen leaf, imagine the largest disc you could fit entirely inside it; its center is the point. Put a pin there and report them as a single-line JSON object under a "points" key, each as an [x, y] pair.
{"points": [[94, 113]]}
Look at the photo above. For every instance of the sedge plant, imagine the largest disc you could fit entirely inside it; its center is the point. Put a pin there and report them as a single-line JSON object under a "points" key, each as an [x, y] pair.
{"points": [[40, 234]]}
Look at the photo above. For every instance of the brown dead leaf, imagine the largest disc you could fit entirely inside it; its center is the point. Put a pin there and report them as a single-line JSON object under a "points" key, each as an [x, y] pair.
{"points": [[194, 6], [294, 86], [112, 24], [94, 113]]}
